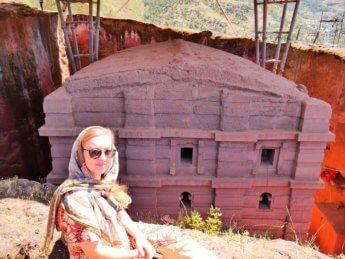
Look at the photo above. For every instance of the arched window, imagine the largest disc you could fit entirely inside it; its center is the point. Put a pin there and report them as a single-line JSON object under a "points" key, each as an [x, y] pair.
{"points": [[185, 201], [265, 201]]}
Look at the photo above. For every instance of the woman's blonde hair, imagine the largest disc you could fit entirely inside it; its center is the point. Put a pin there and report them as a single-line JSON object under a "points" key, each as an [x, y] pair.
{"points": [[117, 192]]}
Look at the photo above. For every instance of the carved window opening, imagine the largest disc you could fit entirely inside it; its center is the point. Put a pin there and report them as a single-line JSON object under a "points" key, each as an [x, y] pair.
{"points": [[265, 202], [185, 201], [267, 156], [186, 155]]}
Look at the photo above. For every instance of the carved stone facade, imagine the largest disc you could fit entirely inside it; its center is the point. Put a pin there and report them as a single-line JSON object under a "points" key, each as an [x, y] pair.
{"points": [[197, 126]]}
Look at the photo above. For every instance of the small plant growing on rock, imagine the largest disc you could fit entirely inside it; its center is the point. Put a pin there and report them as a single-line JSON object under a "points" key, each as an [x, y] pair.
{"points": [[193, 221], [213, 223]]}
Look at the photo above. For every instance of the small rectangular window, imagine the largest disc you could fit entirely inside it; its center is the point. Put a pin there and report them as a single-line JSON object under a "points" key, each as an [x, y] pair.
{"points": [[186, 155], [267, 156]]}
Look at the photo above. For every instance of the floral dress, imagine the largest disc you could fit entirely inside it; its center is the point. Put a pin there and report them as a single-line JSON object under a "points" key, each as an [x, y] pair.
{"points": [[74, 234]]}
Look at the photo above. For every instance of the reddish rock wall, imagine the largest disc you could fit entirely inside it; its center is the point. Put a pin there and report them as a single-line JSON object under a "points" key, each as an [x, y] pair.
{"points": [[32, 69], [29, 70], [320, 70]]}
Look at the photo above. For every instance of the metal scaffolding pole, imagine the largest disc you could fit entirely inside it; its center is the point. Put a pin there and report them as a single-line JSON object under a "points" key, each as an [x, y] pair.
{"points": [[74, 54], [288, 41], [264, 59], [276, 58], [75, 41], [68, 44], [97, 28], [90, 31], [264, 27], [341, 28], [257, 42]]}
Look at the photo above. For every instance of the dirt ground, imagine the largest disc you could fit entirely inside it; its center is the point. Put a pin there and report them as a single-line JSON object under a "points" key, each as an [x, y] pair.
{"points": [[23, 218], [23, 223]]}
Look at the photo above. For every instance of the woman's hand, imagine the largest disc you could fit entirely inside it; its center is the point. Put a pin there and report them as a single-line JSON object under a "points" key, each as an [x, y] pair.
{"points": [[145, 249]]}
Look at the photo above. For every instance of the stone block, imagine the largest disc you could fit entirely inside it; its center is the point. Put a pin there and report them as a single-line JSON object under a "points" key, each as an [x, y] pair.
{"points": [[286, 123], [85, 119], [230, 123], [235, 109], [141, 152], [314, 125], [139, 107], [310, 156], [140, 142], [59, 120], [209, 167], [175, 121], [230, 216], [141, 168], [138, 135], [163, 166], [206, 107], [316, 137], [60, 164], [231, 169], [142, 93], [58, 101], [62, 140], [231, 201], [162, 152], [274, 214], [269, 109], [173, 106], [230, 155], [206, 121], [61, 150], [235, 137], [180, 91], [307, 171], [98, 104], [313, 108], [301, 215], [139, 120]]}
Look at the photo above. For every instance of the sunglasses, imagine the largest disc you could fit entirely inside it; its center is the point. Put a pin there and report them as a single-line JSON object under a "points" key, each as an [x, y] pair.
{"points": [[96, 153]]}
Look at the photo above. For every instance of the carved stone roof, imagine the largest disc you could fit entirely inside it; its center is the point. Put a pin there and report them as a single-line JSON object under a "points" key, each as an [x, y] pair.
{"points": [[178, 61]]}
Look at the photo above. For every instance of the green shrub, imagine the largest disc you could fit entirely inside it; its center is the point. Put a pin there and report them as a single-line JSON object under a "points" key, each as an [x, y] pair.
{"points": [[193, 221], [213, 223]]}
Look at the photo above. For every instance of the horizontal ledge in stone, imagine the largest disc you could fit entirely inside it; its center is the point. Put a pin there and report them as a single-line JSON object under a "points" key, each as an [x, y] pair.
{"points": [[236, 136], [139, 133], [57, 132], [316, 137], [295, 184], [141, 182], [185, 181], [237, 183]]}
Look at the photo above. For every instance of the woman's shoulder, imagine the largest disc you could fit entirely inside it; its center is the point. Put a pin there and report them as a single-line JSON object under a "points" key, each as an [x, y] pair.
{"points": [[77, 198]]}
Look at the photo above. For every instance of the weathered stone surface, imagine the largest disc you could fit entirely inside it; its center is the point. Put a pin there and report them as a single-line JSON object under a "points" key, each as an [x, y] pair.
{"points": [[30, 69]]}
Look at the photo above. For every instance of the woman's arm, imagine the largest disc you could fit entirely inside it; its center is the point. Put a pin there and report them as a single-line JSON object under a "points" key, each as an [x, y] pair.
{"points": [[145, 249], [95, 250]]}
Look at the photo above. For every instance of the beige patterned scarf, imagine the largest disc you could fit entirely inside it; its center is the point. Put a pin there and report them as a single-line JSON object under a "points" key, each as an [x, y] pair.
{"points": [[88, 202]]}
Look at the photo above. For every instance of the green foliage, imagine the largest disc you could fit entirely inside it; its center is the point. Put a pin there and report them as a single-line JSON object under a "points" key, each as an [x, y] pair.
{"points": [[193, 221], [213, 223]]}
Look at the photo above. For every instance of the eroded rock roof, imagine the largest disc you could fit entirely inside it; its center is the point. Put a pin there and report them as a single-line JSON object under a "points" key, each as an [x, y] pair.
{"points": [[175, 61]]}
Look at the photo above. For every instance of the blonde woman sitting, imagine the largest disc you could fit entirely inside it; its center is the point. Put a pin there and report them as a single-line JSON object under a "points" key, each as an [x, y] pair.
{"points": [[89, 209]]}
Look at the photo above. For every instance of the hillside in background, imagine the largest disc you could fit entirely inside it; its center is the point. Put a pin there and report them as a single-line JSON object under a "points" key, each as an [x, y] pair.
{"points": [[206, 15]]}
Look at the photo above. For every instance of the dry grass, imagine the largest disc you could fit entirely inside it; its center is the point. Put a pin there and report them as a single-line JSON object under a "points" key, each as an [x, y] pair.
{"points": [[23, 218]]}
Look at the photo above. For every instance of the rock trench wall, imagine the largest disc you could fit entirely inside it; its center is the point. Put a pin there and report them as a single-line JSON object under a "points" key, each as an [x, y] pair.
{"points": [[29, 70], [33, 63]]}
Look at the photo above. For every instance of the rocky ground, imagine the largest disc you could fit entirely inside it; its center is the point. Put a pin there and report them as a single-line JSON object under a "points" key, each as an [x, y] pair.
{"points": [[23, 217]]}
